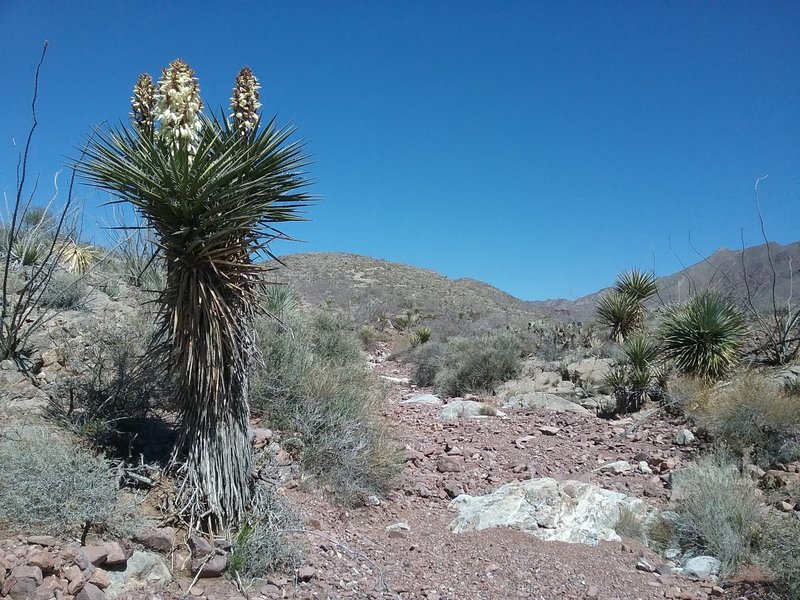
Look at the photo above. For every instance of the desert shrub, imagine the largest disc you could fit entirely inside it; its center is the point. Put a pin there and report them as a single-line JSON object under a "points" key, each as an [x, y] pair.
{"points": [[107, 384], [425, 360], [630, 526], [717, 510], [315, 382], [65, 291], [686, 396], [477, 364], [754, 416], [50, 485], [262, 546], [702, 336], [780, 554]]}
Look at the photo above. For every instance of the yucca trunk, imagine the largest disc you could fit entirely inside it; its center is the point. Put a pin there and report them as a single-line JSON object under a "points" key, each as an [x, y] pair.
{"points": [[210, 352]]}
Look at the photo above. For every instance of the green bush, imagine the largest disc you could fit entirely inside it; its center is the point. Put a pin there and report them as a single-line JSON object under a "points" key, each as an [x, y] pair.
{"points": [[476, 364], [315, 382], [48, 485], [637, 378], [703, 336], [755, 417], [717, 510]]}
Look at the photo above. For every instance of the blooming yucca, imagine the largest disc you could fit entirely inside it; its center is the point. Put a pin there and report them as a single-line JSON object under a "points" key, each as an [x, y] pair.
{"points": [[245, 103], [211, 202], [178, 106], [143, 104]]}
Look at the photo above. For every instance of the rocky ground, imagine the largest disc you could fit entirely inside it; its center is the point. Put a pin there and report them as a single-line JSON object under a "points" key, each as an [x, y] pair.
{"points": [[404, 546]]}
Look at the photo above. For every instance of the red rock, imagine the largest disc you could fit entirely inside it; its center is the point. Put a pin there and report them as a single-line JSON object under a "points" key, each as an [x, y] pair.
{"points": [[115, 554], [306, 573], [43, 559], [90, 592], [213, 567], [23, 572], [93, 555], [100, 579]]}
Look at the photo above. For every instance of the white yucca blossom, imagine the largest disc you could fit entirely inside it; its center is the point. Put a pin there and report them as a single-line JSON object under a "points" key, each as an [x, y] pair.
{"points": [[143, 104], [245, 102], [178, 106]]}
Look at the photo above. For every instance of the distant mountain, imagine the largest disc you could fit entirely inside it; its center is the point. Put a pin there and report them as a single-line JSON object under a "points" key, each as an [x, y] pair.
{"points": [[370, 289], [724, 272]]}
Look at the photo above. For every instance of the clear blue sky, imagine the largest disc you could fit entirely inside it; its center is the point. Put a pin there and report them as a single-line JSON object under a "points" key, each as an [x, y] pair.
{"points": [[539, 146]]}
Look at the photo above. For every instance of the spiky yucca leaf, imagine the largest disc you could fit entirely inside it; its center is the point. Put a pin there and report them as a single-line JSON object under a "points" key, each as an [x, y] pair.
{"points": [[212, 205], [702, 336], [77, 258], [639, 351], [620, 313], [637, 284]]}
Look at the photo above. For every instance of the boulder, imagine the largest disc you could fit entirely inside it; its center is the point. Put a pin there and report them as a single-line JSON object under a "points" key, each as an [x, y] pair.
{"points": [[467, 408], [702, 567], [143, 569], [592, 372], [538, 400], [567, 511], [684, 437], [423, 399]]}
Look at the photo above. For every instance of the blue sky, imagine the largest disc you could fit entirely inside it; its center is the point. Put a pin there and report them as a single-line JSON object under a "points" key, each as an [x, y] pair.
{"points": [[540, 147]]}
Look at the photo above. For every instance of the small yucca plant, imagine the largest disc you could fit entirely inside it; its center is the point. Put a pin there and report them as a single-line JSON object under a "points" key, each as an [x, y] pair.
{"points": [[620, 313], [702, 337], [637, 284], [421, 335], [211, 191], [77, 258]]}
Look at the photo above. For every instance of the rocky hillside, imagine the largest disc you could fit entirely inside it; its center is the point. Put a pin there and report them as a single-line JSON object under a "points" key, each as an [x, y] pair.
{"points": [[369, 288]]}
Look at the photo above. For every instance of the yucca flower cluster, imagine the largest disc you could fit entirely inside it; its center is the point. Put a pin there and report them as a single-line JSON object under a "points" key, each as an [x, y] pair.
{"points": [[178, 106], [143, 104], [245, 103]]}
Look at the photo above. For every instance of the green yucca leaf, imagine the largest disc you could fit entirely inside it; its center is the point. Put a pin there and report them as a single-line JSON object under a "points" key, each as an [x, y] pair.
{"points": [[637, 284], [621, 313], [639, 351], [702, 336]]}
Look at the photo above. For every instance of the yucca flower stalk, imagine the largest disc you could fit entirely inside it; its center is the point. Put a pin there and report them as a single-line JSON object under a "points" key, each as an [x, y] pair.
{"points": [[143, 105], [245, 103], [212, 200], [178, 107]]}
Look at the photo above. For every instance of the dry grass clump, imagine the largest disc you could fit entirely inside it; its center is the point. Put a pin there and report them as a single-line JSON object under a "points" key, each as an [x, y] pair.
{"points": [[754, 417], [49, 485], [64, 291], [717, 510], [315, 382], [263, 546]]}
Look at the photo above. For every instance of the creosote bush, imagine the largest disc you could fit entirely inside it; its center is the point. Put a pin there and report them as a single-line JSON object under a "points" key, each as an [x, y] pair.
{"points": [[106, 384], [314, 382], [467, 364], [51, 485], [754, 417]]}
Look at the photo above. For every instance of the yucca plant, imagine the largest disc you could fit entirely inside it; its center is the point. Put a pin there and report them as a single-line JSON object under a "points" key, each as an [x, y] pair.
{"points": [[77, 258], [211, 189], [637, 284], [622, 310], [702, 336], [421, 335], [620, 313]]}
